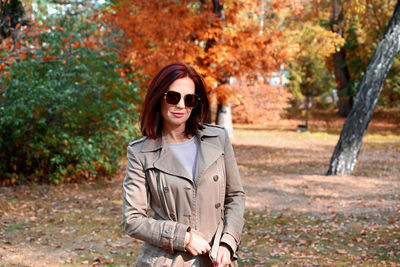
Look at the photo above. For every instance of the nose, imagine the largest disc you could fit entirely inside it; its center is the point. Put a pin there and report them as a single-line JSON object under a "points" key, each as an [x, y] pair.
{"points": [[181, 103]]}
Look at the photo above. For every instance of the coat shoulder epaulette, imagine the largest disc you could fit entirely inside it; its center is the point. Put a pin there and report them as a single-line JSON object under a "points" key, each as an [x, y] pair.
{"points": [[137, 141], [214, 125]]}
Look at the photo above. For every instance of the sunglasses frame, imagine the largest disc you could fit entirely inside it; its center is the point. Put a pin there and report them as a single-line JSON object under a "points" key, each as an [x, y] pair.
{"points": [[184, 99]]}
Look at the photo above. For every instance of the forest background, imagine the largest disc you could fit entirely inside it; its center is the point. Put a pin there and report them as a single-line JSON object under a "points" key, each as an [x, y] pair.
{"points": [[73, 74]]}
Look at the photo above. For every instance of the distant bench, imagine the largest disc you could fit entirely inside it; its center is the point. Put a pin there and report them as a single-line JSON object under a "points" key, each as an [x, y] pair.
{"points": [[303, 127]]}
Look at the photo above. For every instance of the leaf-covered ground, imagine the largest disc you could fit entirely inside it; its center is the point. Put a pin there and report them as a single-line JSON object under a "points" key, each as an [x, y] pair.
{"points": [[295, 215]]}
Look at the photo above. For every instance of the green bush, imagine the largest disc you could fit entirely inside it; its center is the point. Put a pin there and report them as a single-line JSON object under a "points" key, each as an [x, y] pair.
{"points": [[67, 110]]}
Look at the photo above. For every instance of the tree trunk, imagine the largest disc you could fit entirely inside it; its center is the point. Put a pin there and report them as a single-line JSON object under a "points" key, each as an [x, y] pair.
{"points": [[224, 118], [218, 8], [346, 152], [342, 74]]}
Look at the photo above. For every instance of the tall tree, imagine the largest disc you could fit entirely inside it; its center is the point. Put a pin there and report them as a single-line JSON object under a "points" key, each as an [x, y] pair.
{"points": [[236, 46], [224, 114], [346, 152], [309, 79], [339, 60]]}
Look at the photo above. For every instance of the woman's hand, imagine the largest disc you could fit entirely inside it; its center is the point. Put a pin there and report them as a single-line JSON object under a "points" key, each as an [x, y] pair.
{"points": [[196, 244], [223, 255]]}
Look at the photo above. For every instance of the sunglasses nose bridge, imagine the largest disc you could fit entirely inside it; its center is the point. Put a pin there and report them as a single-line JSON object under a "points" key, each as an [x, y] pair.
{"points": [[181, 102]]}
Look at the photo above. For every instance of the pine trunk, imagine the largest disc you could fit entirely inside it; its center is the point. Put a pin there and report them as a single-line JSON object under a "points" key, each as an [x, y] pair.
{"points": [[346, 152]]}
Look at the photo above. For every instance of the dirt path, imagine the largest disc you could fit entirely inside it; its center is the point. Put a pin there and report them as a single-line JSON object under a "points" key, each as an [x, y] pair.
{"points": [[285, 171], [282, 172]]}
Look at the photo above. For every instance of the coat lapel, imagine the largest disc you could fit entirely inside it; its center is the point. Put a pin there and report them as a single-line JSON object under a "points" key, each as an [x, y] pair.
{"points": [[164, 158], [209, 151]]}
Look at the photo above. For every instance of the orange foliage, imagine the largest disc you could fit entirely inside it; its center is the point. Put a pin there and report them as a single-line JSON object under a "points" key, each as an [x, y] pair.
{"points": [[19, 47], [154, 36], [259, 102], [156, 33]]}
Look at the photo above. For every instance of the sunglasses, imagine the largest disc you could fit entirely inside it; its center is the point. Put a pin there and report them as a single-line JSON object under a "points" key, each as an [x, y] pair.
{"points": [[173, 98]]}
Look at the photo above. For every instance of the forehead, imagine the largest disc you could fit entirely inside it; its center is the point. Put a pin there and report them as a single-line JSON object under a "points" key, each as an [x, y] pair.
{"points": [[183, 85]]}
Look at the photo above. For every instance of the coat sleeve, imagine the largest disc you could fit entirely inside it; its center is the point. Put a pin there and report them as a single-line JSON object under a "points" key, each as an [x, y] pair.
{"points": [[166, 234], [234, 200]]}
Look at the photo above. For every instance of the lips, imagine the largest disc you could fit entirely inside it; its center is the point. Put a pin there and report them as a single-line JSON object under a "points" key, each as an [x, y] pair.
{"points": [[178, 114]]}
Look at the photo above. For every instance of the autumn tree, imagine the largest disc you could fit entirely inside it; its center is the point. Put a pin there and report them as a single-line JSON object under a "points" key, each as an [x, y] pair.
{"points": [[361, 24], [346, 152], [341, 69], [365, 23], [258, 102], [309, 79], [237, 46]]}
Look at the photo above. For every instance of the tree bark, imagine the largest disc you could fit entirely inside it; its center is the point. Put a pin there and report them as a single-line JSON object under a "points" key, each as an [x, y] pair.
{"points": [[223, 116], [341, 71], [218, 8], [346, 152]]}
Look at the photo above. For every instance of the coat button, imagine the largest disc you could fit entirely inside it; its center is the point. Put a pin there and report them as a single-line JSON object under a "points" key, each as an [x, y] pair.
{"points": [[215, 177], [168, 230], [166, 189], [217, 205]]}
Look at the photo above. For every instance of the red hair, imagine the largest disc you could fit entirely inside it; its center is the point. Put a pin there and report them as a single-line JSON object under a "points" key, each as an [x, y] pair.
{"points": [[150, 118]]}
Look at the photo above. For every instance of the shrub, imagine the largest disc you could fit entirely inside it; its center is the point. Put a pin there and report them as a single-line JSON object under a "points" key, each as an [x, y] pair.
{"points": [[67, 108]]}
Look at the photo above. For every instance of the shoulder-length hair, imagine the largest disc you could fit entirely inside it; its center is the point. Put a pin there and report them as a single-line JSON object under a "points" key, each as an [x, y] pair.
{"points": [[150, 117]]}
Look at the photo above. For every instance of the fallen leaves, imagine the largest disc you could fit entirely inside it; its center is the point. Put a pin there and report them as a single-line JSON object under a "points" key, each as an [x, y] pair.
{"points": [[306, 240], [79, 224]]}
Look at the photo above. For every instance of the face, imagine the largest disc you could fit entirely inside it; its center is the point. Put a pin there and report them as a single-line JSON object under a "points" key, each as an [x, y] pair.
{"points": [[175, 116]]}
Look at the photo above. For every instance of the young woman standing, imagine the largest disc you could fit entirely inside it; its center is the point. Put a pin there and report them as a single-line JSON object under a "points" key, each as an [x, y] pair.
{"points": [[186, 172]]}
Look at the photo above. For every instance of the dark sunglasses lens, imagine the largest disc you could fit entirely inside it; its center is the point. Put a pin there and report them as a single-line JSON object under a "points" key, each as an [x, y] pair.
{"points": [[191, 100], [173, 98]]}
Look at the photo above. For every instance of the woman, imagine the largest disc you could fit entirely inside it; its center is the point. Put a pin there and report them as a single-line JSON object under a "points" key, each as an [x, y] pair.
{"points": [[187, 173]]}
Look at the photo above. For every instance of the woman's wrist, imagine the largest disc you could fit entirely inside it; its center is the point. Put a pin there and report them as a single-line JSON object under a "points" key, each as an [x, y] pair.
{"points": [[188, 238], [223, 244]]}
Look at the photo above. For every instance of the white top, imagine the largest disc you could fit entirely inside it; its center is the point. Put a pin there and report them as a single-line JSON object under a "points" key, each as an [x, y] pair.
{"points": [[186, 152]]}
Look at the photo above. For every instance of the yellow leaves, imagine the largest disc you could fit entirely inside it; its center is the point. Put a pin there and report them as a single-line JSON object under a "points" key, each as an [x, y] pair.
{"points": [[316, 40], [290, 51]]}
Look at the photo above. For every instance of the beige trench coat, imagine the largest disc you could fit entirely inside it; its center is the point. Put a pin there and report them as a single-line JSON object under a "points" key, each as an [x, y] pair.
{"points": [[213, 201]]}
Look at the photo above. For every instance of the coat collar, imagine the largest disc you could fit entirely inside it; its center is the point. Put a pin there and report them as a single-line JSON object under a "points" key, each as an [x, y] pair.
{"points": [[165, 160], [155, 144]]}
